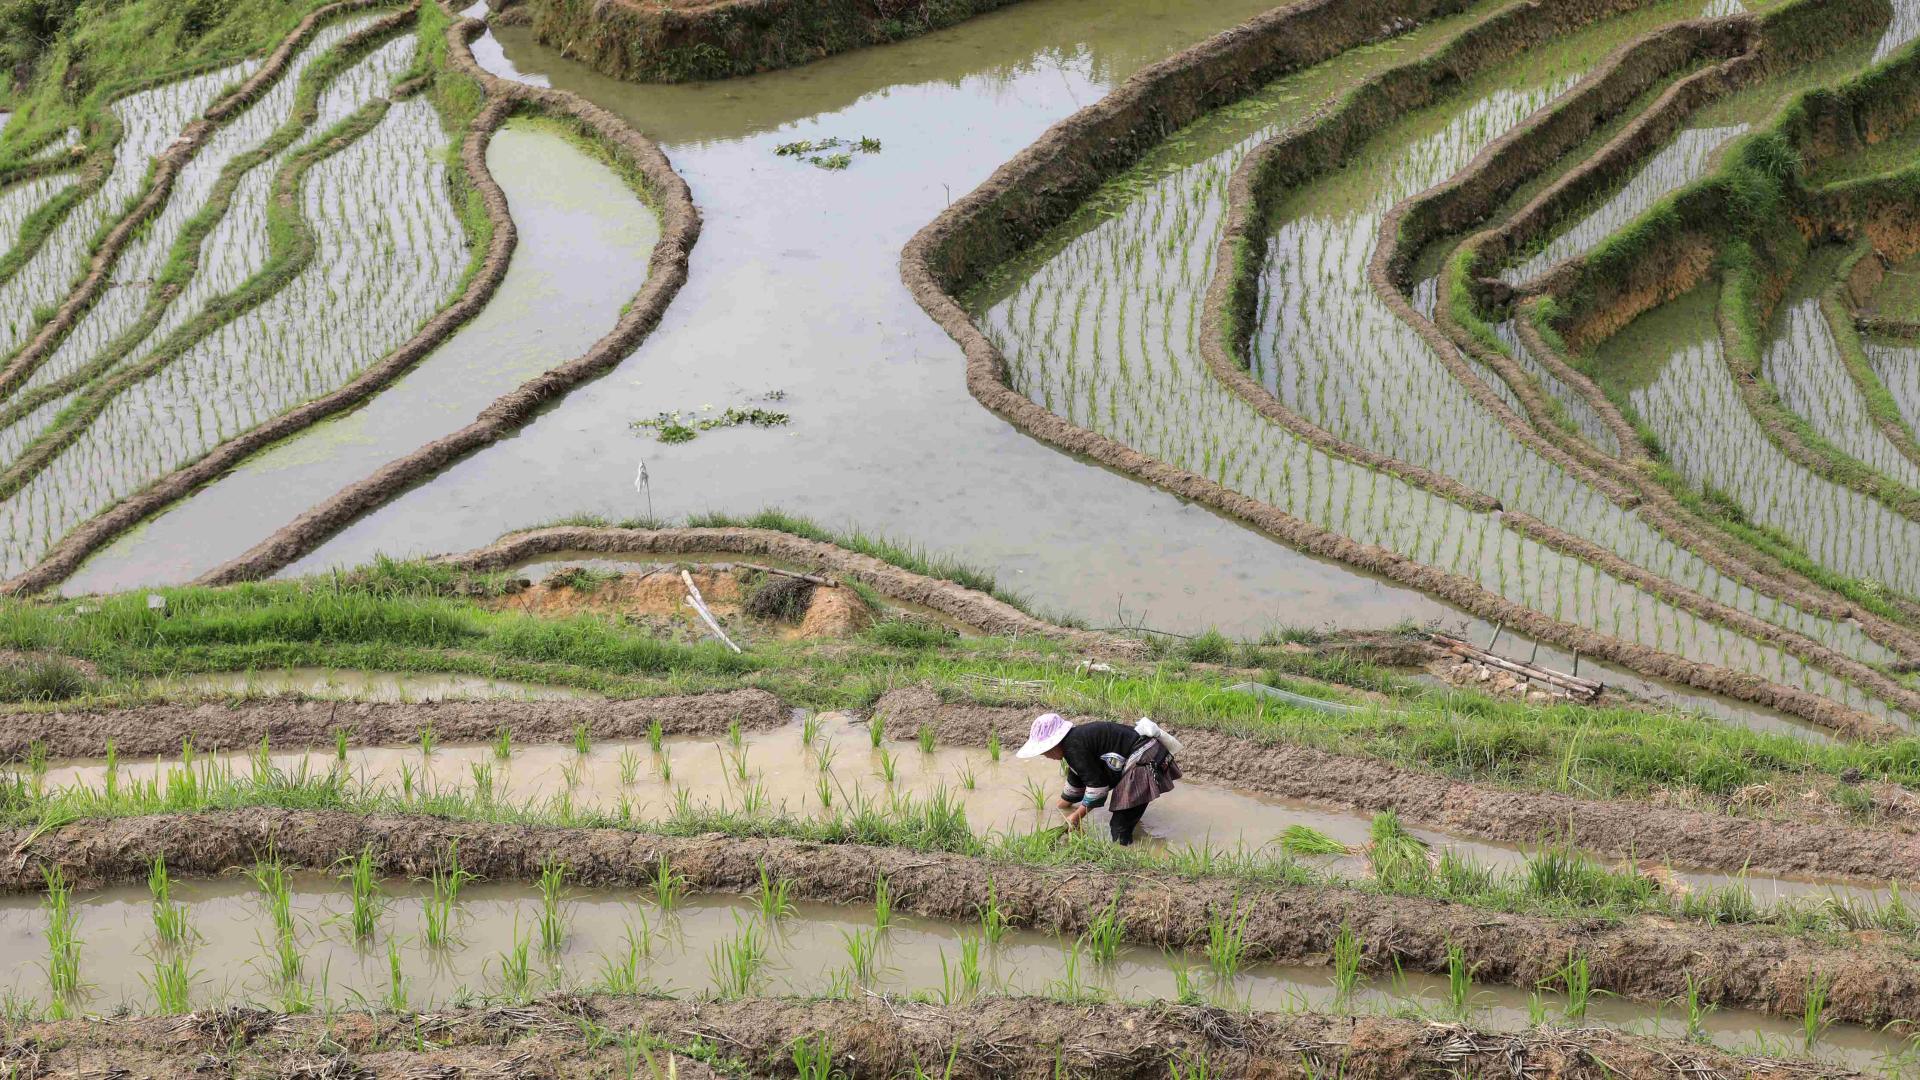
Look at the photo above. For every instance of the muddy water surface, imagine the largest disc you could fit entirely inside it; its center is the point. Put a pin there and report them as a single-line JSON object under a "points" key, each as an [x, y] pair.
{"points": [[233, 955], [795, 288], [780, 772], [349, 685]]}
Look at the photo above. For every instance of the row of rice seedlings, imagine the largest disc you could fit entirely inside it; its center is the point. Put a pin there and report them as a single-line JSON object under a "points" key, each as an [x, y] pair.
{"points": [[1317, 300], [119, 308], [390, 251], [1709, 436], [1680, 163], [1586, 420], [1897, 364], [1902, 28], [1132, 281], [1802, 362], [149, 120]]}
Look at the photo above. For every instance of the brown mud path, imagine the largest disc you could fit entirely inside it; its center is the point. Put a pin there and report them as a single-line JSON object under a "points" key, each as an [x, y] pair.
{"points": [[1641, 958], [872, 1039], [1622, 829]]}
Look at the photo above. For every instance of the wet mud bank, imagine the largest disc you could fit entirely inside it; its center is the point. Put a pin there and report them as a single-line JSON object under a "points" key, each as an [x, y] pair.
{"points": [[1618, 829], [975, 609], [691, 40], [149, 730], [876, 1039], [1643, 959], [666, 272]]}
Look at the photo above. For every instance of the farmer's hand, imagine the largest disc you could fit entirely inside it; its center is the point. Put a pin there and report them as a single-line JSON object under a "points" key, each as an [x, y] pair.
{"points": [[1075, 815]]}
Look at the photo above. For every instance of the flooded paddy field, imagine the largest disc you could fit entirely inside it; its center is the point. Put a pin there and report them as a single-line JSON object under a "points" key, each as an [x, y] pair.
{"points": [[635, 517]]}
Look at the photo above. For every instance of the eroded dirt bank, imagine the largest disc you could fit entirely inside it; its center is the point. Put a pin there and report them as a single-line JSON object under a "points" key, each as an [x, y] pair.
{"points": [[1619, 829], [149, 730], [871, 1038], [689, 40], [1643, 959], [971, 607]]}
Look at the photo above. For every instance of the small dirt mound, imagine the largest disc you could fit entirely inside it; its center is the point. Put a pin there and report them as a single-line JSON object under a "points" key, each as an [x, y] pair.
{"points": [[836, 613], [780, 599]]}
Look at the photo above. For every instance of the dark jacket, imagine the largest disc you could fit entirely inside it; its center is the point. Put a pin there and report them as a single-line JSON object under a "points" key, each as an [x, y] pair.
{"points": [[1091, 776]]}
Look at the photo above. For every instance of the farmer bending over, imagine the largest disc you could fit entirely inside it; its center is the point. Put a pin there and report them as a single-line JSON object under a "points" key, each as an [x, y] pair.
{"points": [[1121, 767]]}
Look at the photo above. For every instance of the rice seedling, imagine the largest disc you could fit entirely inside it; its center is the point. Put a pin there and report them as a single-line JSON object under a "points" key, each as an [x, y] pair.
{"points": [[1105, 932], [396, 999], [875, 732], [1189, 1067], [993, 747], [813, 1059], [734, 738], [1697, 1010], [629, 768], [582, 739], [621, 972], [809, 729], [1184, 992], [1813, 1020], [888, 766], [270, 877], [1346, 964], [823, 787], [882, 904], [666, 769], [925, 737], [364, 887], [170, 928], [340, 745], [823, 756], [1226, 942], [427, 741], [553, 920], [110, 781], [171, 985], [1578, 981], [1070, 986], [516, 965], [63, 939], [772, 896], [482, 781], [1459, 979], [967, 778], [262, 759], [863, 950], [993, 918], [668, 886], [1305, 840], [735, 963], [1037, 795], [503, 743], [656, 735]]}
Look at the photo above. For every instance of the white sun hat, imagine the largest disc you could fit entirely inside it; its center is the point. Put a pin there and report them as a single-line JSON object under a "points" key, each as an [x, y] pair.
{"points": [[1048, 730]]}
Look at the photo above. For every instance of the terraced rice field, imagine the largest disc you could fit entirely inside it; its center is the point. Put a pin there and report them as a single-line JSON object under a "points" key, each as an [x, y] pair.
{"points": [[1486, 433]]}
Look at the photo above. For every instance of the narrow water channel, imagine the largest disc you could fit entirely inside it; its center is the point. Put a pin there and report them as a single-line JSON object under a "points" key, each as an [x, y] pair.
{"points": [[842, 770], [491, 943]]}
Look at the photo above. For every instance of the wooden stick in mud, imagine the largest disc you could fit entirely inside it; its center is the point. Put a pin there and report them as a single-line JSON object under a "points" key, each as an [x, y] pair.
{"points": [[1582, 688], [699, 605]]}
